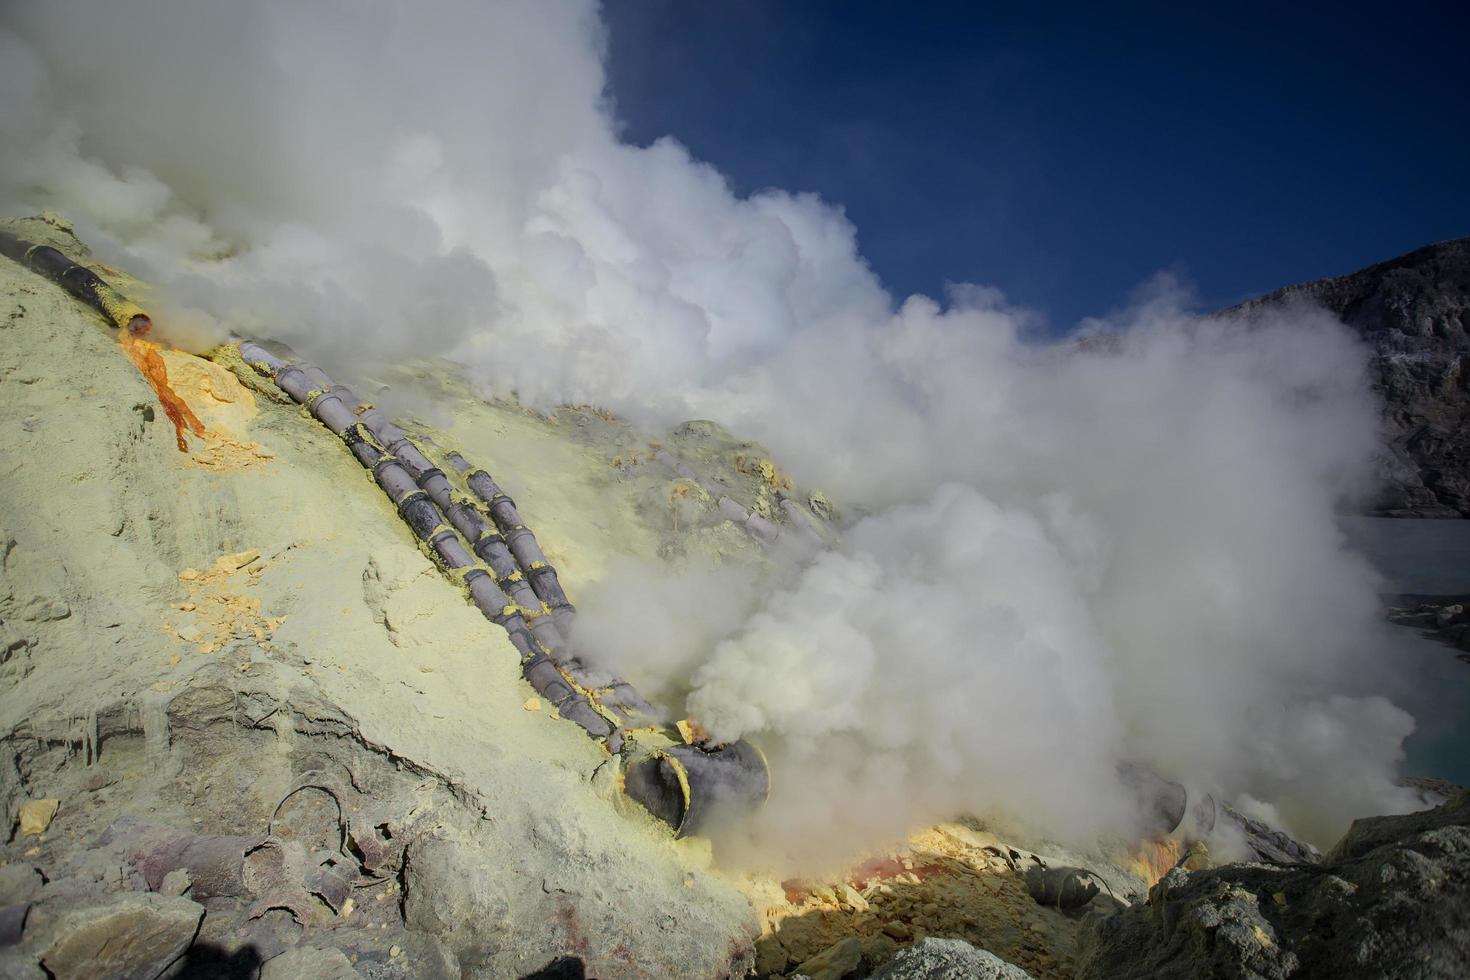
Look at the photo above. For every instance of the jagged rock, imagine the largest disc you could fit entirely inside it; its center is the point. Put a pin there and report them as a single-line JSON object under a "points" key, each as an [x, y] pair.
{"points": [[128, 936], [834, 962], [36, 816], [444, 894], [1448, 622], [947, 959], [1371, 833], [18, 883], [418, 955], [771, 957], [1414, 311], [1268, 843], [1389, 901], [309, 963], [176, 882]]}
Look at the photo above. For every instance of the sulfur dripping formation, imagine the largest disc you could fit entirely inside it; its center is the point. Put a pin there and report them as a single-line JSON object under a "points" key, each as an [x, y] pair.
{"points": [[131, 322]]}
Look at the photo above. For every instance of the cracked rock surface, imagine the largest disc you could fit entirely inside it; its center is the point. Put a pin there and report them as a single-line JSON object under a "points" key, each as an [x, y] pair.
{"points": [[1391, 900]]}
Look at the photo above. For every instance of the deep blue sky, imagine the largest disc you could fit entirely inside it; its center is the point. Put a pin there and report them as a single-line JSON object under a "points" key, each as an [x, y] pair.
{"points": [[1065, 156]]}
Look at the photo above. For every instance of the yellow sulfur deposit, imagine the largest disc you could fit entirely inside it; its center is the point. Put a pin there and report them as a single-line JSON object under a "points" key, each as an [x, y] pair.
{"points": [[225, 405], [953, 881], [215, 611], [36, 816]]}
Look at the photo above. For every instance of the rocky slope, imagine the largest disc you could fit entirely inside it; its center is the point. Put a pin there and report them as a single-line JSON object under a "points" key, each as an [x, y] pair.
{"points": [[1414, 311], [247, 728], [202, 650], [1391, 900]]}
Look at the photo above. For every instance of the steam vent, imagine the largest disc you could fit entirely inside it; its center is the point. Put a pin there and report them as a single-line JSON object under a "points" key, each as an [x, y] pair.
{"points": [[462, 519]]}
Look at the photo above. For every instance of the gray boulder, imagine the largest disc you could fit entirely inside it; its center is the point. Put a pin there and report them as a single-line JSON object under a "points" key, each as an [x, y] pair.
{"points": [[947, 959], [834, 962], [18, 883], [1391, 900], [127, 936], [309, 963]]}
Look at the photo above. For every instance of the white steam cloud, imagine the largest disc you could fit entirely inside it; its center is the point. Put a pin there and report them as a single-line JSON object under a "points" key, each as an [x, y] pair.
{"points": [[1075, 554]]}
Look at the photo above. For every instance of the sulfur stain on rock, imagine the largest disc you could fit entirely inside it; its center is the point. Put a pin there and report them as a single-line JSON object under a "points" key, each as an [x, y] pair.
{"points": [[36, 816]]}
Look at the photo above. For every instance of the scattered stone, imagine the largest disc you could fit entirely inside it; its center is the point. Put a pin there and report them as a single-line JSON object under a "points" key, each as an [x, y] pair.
{"points": [[947, 959], [36, 816], [97, 780], [18, 883], [834, 962], [125, 936], [239, 559], [532, 704], [176, 882], [1268, 843], [309, 963], [1448, 623], [771, 958]]}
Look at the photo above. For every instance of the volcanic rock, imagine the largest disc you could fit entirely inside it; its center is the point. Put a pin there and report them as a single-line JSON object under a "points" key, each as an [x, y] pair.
{"points": [[1268, 843], [127, 936], [947, 959], [309, 963], [176, 882], [1414, 312], [1389, 901], [834, 962], [18, 883], [1447, 622]]}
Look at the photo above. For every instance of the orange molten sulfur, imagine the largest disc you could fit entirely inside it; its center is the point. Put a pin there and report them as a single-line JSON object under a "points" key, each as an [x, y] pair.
{"points": [[149, 362], [1154, 859]]}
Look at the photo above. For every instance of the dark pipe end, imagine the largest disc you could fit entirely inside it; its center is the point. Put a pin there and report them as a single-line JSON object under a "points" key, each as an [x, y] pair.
{"points": [[691, 788]]}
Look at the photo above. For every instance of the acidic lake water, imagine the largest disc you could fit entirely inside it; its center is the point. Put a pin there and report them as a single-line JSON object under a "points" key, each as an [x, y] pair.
{"points": [[1428, 558]]}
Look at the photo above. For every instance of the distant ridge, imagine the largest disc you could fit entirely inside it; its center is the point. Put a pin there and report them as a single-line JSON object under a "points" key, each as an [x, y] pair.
{"points": [[1414, 311]]}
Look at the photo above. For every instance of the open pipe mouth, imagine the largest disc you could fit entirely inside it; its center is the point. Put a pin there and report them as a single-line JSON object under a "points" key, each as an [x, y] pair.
{"points": [[692, 788], [131, 321], [78, 280], [1160, 802]]}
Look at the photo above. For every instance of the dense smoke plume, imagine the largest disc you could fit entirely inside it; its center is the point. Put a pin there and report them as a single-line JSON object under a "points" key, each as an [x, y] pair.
{"points": [[1074, 554]]}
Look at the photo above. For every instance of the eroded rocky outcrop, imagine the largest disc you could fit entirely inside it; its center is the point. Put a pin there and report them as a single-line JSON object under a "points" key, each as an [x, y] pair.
{"points": [[1391, 900], [948, 959], [1414, 311], [1447, 622]]}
